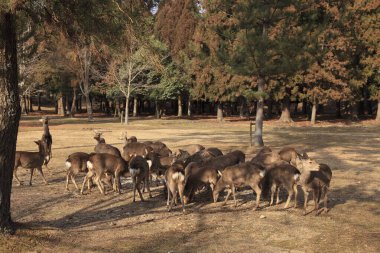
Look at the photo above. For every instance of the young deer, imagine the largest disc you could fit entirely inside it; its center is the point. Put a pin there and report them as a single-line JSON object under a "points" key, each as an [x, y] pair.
{"points": [[315, 178], [289, 155], [127, 140], [139, 170], [175, 183], [101, 164], [282, 175], [48, 139], [245, 174], [76, 163], [31, 160], [98, 137]]}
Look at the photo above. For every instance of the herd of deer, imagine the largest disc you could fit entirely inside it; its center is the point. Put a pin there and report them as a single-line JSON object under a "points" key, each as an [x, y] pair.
{"points": [[187, 172]]}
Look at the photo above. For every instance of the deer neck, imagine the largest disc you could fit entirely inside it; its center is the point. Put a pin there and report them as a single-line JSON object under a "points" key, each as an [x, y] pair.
{"points": [[46, 129]]}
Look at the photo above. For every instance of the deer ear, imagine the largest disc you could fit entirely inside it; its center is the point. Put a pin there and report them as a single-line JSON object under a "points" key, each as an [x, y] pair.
{"points": [[37, 142], [305, 156]]}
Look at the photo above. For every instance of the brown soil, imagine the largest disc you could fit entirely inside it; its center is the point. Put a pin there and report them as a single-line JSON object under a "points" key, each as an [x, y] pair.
{"points": [[53, 220]]}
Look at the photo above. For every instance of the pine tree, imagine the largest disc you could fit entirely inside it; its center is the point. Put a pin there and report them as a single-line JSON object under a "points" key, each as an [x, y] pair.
{"points": [[259, 40]]}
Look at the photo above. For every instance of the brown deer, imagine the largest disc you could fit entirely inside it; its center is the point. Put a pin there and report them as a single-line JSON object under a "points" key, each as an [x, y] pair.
{"points": [[101, 164], [285, 176], [48, 139], [31, 160], [139, 170], [315, 178], [175, 183], [98, 137], [245, 174]]}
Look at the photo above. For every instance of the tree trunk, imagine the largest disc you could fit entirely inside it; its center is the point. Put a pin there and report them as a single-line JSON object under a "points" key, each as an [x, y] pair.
{"points": [[304, 107], [220, 111], [67, 109], [241, 108], [25, 105], [86, 81], [158, 110], [107, 106], [270, 108], [61, 109], [180, 114], [338, 112], [39, 102], [295, 112], [378, 111], [30, 103], [259, 114], [88, 106], [285, 111], [189, 107], [314, 111], [135, 104], [126, 119], [355, 110], [117, 108], [9, 114], [73, 104], [56, 106]]}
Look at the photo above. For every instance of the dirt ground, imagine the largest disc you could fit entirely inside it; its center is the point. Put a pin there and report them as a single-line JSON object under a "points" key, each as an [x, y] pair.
{"points": [[54, 220]]}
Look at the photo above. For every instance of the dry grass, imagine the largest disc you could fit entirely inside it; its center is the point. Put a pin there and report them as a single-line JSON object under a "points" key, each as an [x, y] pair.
{"points": [[55, 220]]}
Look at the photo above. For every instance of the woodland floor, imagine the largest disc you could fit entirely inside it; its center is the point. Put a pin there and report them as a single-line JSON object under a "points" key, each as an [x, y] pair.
{"points": [[53, 220]]}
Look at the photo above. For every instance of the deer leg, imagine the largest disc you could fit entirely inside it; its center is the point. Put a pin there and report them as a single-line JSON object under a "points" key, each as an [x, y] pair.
{"points": [[139, 191], [228, 195], [84, 182], [31, 176], [89, 184], [233, 195], [167, 202], [134, 189], [289, 198], [87, 178], [180, 190], [325, 201], [42, 174], [174, 197], [316, 202], [67, 180], [257, 190], [100, 185], [73, 180], [118, 184], [295, 195], [278, 196], [148, 187], [272, 191], [15, 175], [306, 195]]}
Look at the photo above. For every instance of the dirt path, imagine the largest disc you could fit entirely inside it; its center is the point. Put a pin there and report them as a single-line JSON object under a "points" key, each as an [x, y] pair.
{"points": [[53, 220]]}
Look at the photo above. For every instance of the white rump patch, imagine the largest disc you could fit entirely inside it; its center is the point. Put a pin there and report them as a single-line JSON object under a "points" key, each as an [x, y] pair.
{"points": [[296, 177], [262, 173], [149, 163], [134, 172], [178, 176], [90, 166], [68, 164]]}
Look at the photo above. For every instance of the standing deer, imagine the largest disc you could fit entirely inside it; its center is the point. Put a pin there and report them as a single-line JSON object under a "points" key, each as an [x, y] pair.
{"points": [[31, 160], [98, 137], [48, 139]]}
